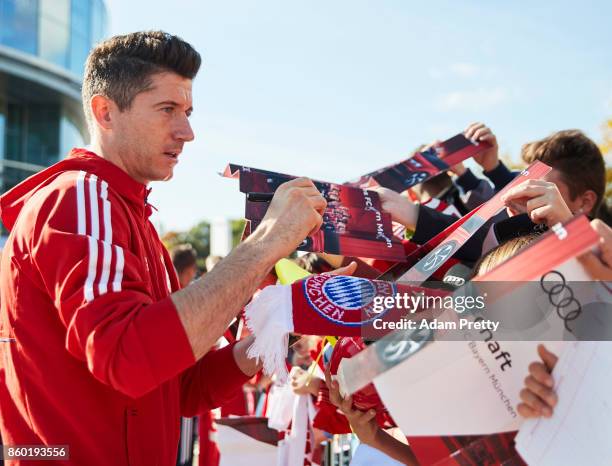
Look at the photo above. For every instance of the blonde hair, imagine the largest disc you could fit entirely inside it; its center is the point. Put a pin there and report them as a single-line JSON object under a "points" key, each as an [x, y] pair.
{"points": [[503, 252]]}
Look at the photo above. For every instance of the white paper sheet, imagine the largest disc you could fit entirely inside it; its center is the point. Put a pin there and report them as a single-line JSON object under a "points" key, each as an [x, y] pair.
{"points": [[458, 388], [580, 431]]}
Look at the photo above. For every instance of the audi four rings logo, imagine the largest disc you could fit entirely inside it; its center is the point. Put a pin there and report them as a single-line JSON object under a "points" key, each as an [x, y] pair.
{"points": [[561, 296], [436, 257]]}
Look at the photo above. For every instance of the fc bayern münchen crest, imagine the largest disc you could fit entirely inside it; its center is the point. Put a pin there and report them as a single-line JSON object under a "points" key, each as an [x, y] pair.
{"points": [[346, 300]]}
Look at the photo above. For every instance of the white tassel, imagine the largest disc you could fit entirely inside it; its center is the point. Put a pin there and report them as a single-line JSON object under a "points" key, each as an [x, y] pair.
{"points": [[269, 317]]}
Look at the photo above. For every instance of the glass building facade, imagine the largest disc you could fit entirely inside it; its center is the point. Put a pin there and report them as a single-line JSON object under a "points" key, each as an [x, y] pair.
{"points": [[43, 48], [58, 31]]}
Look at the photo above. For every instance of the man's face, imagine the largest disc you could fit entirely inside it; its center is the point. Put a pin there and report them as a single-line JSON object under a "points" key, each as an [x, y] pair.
{"points": [[149, 136]]}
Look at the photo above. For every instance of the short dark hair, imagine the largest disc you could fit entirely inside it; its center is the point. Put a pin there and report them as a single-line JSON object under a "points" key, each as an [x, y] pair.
{"points": [[577, 158], [183, 256], [121, 67]]}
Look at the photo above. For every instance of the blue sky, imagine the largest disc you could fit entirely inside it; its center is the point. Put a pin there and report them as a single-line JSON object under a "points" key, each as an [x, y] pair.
{"points": [[335, 89]]}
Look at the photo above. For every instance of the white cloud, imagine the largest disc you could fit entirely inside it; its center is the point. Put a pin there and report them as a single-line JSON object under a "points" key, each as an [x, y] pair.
{"points": [[477, 100]]}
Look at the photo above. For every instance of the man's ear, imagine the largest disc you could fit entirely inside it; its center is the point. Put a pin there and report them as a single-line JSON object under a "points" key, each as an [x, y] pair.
{"points": [[103, 109], [589, 199]]}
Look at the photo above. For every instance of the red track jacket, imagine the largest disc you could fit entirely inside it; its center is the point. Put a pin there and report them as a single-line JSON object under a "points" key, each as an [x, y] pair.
{"points": [[100, 360]]}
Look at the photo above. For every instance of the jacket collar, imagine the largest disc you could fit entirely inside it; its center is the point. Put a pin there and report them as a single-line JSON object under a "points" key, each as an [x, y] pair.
{"points": [[130, 189], [133, 192]]}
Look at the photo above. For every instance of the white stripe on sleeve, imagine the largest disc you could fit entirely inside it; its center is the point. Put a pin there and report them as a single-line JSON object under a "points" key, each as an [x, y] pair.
{"points": [[93, 206], [108, 239], [98, 217], [118, 269], [91, 274], [80, 192], [107, 254], [108, 226]]}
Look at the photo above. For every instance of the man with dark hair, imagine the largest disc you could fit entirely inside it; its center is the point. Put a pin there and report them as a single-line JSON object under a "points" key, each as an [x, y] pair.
{"points": [[579, 169], [184, 260], [106, 352], [575, 185], [124, 66]]}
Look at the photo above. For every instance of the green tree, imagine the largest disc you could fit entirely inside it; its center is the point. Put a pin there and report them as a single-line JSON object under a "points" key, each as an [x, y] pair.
{"points": [[237, 229]]}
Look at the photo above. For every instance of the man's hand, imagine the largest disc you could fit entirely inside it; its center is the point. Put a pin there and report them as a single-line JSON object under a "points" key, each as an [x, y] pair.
{"points": [[207, 306], [540, 199], [295, 212], [363, 423], [488, 159], [599, 266], [402, 209], [539, 397]]}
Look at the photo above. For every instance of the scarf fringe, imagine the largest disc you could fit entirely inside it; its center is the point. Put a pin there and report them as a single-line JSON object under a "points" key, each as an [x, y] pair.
{"points": [[269, 316]]}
